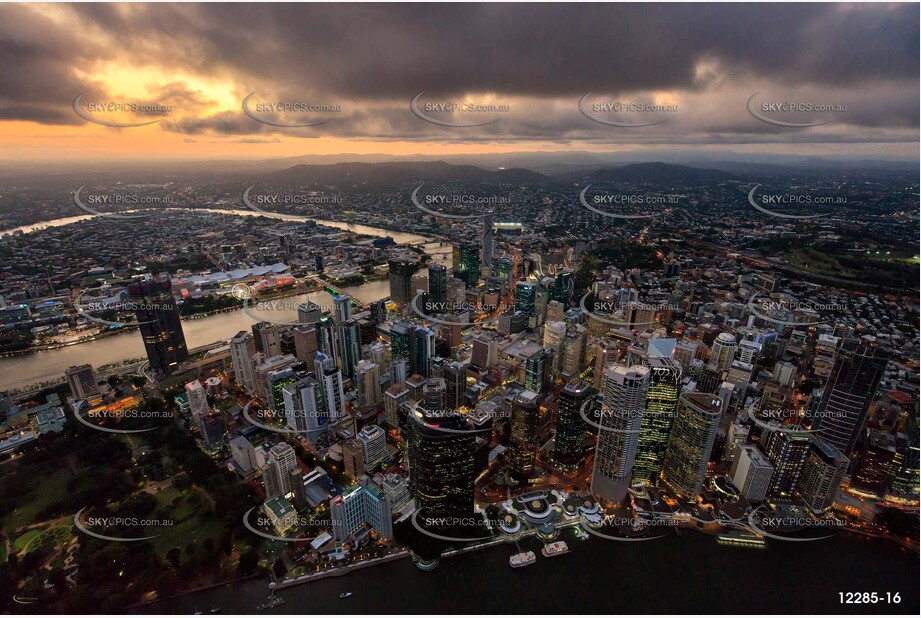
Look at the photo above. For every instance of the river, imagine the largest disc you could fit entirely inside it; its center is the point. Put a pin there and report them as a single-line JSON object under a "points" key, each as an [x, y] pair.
{"points": [[687, 574], [32, 368]]}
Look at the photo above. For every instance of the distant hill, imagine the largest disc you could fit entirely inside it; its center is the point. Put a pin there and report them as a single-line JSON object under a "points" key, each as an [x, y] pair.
{"points": [[648, 172], [400, 172]]}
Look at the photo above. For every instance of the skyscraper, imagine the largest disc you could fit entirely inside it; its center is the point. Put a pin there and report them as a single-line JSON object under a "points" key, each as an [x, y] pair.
{"points": [[308, 313], [690, 442], [422, 349], [467, 264], [455, 376], [276, 479], [787, 452], [401, 276], [159, 322], [488, 245], [848, 393], [333, 392], [661, 404], [82, 381], [525, 297], [523, 443], [823, 472], [438, 284], [349, 347], [305, 344], [267, 338], [723, 352], [441, 463], [571, 430], [622, 406], [242, 349]]}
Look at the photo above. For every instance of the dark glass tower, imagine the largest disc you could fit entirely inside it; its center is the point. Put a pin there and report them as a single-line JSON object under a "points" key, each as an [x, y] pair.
{"points": [[467, 264], [659, 412], [525, 419], [441, 460], [161, 328], [401, 278], [850, 389], [571, 430], [525, 297], [438, 284]]}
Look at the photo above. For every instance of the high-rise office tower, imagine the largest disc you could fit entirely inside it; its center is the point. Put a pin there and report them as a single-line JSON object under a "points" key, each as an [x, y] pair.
{"points": [[305, 407], [573, 352], [554, 335], [849, 392], [467, 264], [343, 312], [400, 341], [751, 472], [374, 445], [563, 285], [398, 371], [328, 339], [82, 381], [441, 462], [276, 475], [623, 402], [422, 349], [401, 276], [455, 376], [305, 344], [198, 401], [267, 338], [555, 311], [661, 404], [690, 442], [488, 244], [523, 442], [369, 383], [309, 313], [786, 450], [242, 349], [485, 351], [537, 369], [823, 471], [159, 322], [723, 352], [904, 481], [394, 397], [525, 297], [349, 347], [571, 430], [333, 392], [438, 284], [874, 462]]}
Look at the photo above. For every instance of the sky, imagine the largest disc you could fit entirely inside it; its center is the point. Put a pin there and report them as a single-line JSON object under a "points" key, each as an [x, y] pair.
{"points": [[529, 64]]}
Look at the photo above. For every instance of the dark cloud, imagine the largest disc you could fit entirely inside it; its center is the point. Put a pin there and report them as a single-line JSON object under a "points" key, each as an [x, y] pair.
{"points": [[372, 58]]}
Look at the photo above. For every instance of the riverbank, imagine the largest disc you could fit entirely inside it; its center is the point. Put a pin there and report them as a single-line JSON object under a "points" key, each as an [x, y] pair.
{"points": [[340, 571]]}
